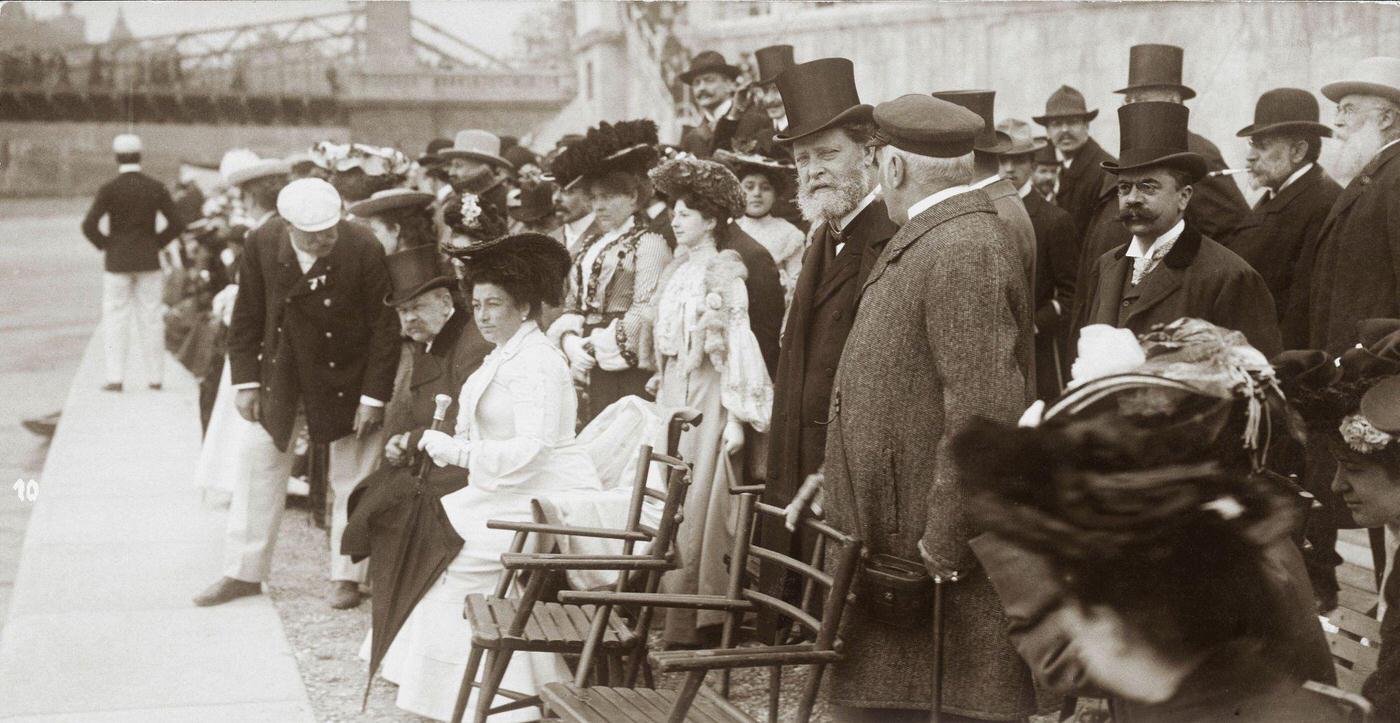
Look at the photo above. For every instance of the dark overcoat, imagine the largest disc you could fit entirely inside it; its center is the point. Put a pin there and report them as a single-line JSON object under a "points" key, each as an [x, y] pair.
{"points": [[1279, 239], [1056, 268], [1103, 234], [318, 340], [752, 132], [1198, 278], [130, 202], [765, 291], [1217, 207], [1357, 272], [1383, 687], [1081, 184], [942, 335]]}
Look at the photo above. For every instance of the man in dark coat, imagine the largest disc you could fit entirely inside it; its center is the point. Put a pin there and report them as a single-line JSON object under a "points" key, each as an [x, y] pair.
{"points": [[1170, 270], [757, 113], [312, 346], [1279, 238], [1066, 122], [942, 336], [1357, 272], [1057, 260], [132, 284], [712, 81], [829, 130]]}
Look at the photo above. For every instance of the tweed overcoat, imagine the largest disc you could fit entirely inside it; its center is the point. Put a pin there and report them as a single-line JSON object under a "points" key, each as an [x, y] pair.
{"points": [[942, 335], [1357, 272], [1197, 278], [1279, 239]]}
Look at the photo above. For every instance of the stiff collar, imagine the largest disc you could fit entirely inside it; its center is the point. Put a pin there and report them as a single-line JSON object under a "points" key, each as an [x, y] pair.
{"points": [[575, 228], [1296, 175], [1026, 189], [780, 124], [720, 111], [937, 198], [989, 180], [864, 202], [1141, 249], [1064, 160], [129, 168]]}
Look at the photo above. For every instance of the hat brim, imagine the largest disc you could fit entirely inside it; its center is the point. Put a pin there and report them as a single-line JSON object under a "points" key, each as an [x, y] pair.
{"points": [[1186, 92], [689, 76], [519, 213], [863, 113], [1025, 150], [1340, 89], [448, 154], [313, 228], [260, 170], [1254, 129], [1003, 144], [372, 206], [1194, 164], [1380, 405], [1044, 120], [439, 282]]}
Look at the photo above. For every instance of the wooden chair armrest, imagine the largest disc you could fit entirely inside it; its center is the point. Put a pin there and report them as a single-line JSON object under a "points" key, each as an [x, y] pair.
{"points": [[659, 600], [559, 561], [727, 658], [547, 529]]}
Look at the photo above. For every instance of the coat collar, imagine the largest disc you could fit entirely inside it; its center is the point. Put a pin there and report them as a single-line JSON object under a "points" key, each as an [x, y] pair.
{"points": [[959, 205], [1360, 184], [1304, 183], [1183, 253], [441, 345]]}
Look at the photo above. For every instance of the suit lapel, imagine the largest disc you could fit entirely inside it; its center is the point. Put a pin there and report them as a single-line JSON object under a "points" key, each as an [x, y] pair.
{"points": [[1110, 291], [1156, 286], [290, 272]]}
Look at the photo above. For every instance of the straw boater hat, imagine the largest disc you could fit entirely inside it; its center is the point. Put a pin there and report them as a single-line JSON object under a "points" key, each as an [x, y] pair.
{"points": [[981, 102], [254, 169], [389, 200], [1286, 109], [818, 95], [708, 61], [1023, 140], [126, 143], [1154, 134], [1378, 76], [415, 271], [1156, 66], [628, 146], [477, 145], [1065, 103]]}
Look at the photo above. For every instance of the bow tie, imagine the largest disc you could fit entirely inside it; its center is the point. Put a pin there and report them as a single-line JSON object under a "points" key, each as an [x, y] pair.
{"points": [[837, 236]]}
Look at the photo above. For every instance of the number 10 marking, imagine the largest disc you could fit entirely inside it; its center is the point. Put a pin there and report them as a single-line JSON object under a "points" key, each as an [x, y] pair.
{"points": [[26, 491]]}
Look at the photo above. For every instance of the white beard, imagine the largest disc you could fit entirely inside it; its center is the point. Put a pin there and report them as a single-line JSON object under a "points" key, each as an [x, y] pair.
{"points": [[1358, 149], [830, 204]]}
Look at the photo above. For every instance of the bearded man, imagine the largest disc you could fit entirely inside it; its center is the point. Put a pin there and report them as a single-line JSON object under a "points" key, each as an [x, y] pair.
{"points": [[830, 132], [1357, 272]]}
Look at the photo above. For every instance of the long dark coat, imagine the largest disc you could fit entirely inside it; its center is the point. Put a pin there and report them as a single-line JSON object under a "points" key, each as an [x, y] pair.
{"points": [[1383, 687], [1197, 278], [1217, 208], [1279, 239], [765, 291], [1056, 269], [1357, 273], [320, 347], [1081, 184], [942, 335]]}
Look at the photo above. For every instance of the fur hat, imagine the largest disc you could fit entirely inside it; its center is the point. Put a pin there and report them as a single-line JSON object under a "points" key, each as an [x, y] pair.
{"points": [[625, 146], [709, 180]]}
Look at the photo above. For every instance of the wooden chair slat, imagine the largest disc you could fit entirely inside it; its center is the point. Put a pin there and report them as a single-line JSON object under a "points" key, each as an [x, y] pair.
{"points": [[1356, 623], [635, 707], [786, 608], [1362, 657], [793, 565], [1350, 680]]}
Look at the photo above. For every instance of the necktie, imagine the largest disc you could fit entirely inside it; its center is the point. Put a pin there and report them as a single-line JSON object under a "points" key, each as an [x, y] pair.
{"points": [[1268, 196], [1142, 266]]}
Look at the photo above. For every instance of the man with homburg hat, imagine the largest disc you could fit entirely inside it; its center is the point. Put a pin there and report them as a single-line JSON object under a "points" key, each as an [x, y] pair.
{"points": [[1083, 182], [942, 335], [1056, 259], [1169, 269], [712, 82], [757, 113], [830, 132], [1279, 237], [312, 346]]}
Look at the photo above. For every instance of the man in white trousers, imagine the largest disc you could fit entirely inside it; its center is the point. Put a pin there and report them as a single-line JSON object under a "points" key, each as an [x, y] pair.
{"points": [[311, 347], [132, 284]]}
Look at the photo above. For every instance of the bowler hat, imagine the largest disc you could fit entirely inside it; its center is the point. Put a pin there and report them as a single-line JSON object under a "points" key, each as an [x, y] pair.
{"points": [[535, 202], [388, 200], [477, 145], [708, 61], [980, 102], [772, 61], [1373, 76], [1154, 134], [928, 126], [1156, 66], [1023, 141], [430, 154], [820, 94], [414, 271], [1065, 102], [1285, 109], [520, 156]]}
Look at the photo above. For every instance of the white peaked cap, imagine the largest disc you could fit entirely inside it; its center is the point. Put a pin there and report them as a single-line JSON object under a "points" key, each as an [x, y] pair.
{"points": [[309, 204], [126, 143]]}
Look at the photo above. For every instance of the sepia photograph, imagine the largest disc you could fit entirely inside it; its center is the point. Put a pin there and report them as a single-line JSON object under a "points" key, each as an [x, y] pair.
{"points": [[708, 361]]}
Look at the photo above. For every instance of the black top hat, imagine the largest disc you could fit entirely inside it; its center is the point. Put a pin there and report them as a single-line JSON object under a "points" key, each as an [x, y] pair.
{"points": [[1065, 102], [772, 61], [1154, 134], [1286, 109], [708, 61], [981, 102], [818, 95], [414, 271], [1156, 66], [536, 203]]}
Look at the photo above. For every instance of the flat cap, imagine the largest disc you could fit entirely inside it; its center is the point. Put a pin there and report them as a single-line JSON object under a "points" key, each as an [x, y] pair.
{"points": [[309, 204], [927, 126], [126, 143]]}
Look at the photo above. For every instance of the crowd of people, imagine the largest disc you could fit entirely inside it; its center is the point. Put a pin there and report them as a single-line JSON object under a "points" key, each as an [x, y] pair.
{"points": [[1111, 414]]}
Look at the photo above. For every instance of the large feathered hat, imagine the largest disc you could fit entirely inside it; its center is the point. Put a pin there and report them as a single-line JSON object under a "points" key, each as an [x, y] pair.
{"points": [[535, 259], [624, 146], [1353, 399]]}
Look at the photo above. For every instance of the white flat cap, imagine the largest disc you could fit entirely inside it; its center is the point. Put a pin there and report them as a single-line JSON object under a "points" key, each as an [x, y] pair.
{"points": [[126, 143], [309, 204]]}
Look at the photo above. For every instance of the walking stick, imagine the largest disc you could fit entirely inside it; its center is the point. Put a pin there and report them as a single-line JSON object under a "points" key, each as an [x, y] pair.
{"points": [[441, 402], [935, 714]]}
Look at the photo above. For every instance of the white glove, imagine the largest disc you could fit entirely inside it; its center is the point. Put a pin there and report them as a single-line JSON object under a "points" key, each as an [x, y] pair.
{"points": [[443, 449], [222, 303], [579, 358]]}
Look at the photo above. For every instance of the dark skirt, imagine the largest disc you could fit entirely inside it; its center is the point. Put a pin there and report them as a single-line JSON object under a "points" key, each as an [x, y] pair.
{"points": [[604, 388]]}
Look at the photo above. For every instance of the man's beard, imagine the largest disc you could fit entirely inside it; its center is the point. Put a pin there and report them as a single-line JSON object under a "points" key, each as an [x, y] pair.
{"points": [[829, 204], [1358, 149]]}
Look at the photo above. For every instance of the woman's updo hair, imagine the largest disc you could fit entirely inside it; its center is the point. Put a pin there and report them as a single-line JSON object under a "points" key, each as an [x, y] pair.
{"points": [[708, 209], [511, 274]]}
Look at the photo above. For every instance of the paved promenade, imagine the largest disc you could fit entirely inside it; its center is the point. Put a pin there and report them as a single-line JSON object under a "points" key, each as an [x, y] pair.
{"points": [[100, 626]]}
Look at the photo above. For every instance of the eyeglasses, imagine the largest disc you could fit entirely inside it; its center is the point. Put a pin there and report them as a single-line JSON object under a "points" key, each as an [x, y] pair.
{"points": [[1144, 188], [1347, 110]]}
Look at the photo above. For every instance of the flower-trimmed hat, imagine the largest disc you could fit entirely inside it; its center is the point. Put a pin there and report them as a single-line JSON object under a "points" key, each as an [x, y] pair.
{"points": [[468, 215], [1355, 398], [628, 146], [709, 180]]}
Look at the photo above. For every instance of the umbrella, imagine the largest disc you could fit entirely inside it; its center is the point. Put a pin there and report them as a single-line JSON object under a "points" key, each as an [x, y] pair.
{"points": [[417, 544]]}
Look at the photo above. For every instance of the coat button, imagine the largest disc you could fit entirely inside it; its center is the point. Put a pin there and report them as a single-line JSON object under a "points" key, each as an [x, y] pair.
{"points": [[830, 372], [327, 302], [340, 394], [1127, 303], [330, 364], [279, 330], [328, 335]]}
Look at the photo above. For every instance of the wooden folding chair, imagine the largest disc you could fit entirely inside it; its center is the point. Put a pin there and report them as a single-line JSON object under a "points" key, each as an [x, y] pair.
{"points": [[1355, 708], [504, 625], [1355, 645], [818, 648]]}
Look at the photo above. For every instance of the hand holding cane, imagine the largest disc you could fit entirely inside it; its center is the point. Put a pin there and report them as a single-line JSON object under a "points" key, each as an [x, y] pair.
{"points": [[441, 402]]}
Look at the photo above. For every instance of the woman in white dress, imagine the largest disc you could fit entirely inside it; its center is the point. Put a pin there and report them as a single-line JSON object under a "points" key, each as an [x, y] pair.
{"points": [[515, 433], [708, 359]]}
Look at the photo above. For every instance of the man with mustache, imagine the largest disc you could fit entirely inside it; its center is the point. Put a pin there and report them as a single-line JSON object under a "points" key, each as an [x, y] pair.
{"points": [[757, 113], [712, 82], [1357, 272], [830, 133], [1082, 180], [1169, 269]]}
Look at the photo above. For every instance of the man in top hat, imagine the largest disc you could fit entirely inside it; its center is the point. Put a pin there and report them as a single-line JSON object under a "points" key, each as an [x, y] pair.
{"points": [[311, 346], [1169, 269], [1056, 259], [1279, 237], [830, 132], [132, 282], [942, 336], [1082, 179], [712, 81], [1218, 208], [1356, 274], [757, 113]]}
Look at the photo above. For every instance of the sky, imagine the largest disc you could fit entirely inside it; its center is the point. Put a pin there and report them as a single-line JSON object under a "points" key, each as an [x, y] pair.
{"points": [[487, 24]]}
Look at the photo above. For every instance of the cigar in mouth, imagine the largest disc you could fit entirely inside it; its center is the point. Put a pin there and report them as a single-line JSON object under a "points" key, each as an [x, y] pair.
{"points": [[1227, 172]]}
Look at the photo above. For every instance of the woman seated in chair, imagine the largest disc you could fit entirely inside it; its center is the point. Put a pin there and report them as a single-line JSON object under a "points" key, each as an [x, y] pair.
{"points": [[515, 433], [1163, 541], [1353, 405]]}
